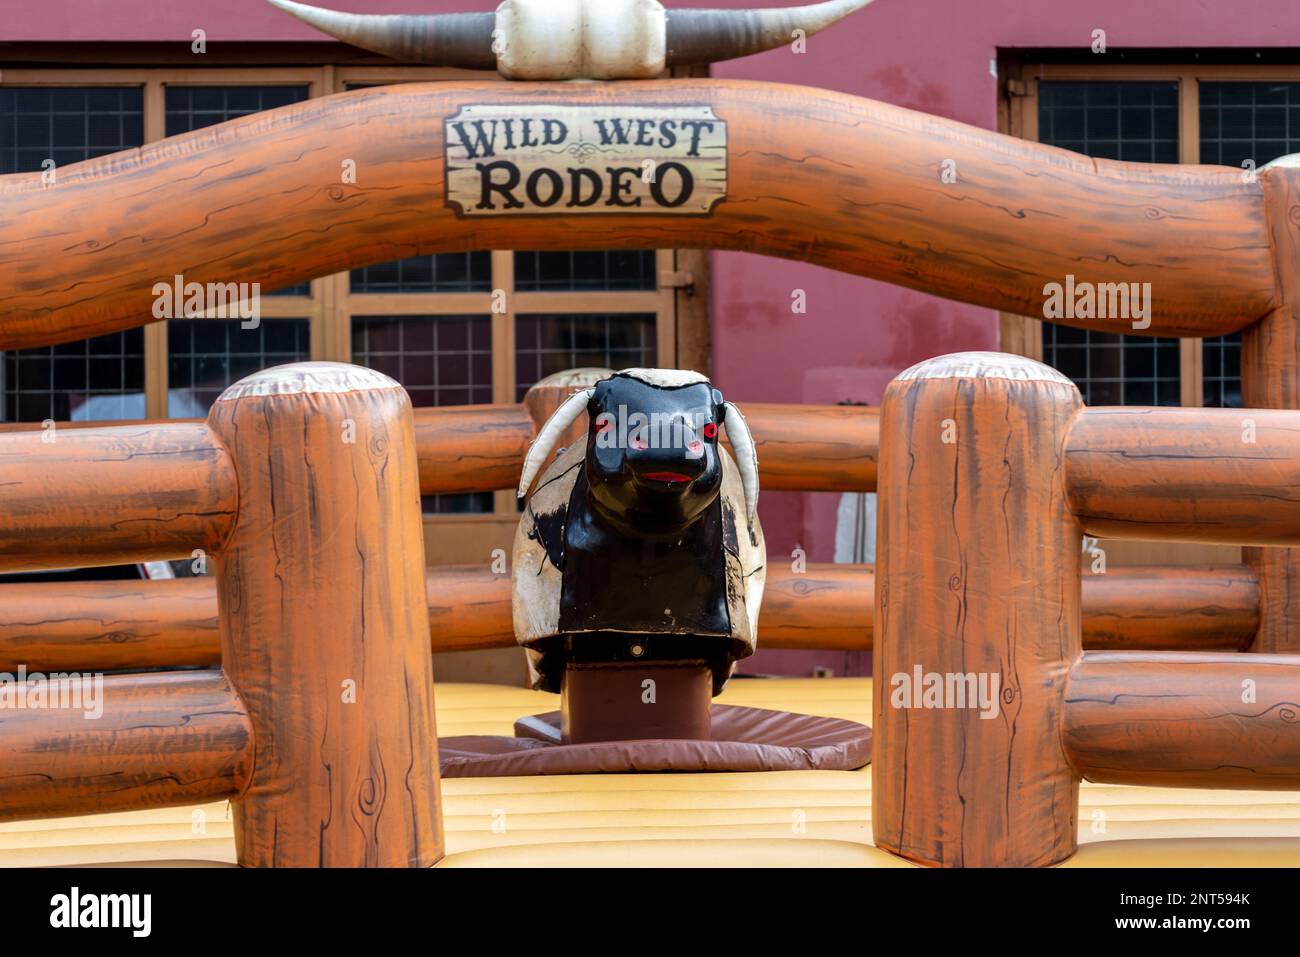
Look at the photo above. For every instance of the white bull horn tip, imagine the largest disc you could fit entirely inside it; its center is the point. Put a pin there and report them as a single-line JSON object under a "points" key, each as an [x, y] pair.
{"points": [[550, 433], [710, 36], [446, 39]]}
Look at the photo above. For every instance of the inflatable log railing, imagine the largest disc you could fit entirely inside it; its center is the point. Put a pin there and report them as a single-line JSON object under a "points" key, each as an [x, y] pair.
{"points": [[113, 626], [990, 470]]}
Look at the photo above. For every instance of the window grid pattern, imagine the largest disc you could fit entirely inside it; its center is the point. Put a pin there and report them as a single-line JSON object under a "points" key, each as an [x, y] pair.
{"points": [[196, 107], [441, 360], [444, 272], [1249, 121], [607, 270], [1109, 119], [1221, 371], [191, 108], [1135, 122], [550, 343], [90, 380], [1114, 369], [1245, 125], [207, 355], [67, 125]]}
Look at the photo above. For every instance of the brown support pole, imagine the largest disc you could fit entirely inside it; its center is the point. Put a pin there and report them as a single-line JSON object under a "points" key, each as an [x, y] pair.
{"points": [[324, 629], [977, 590], [1270, 379]]}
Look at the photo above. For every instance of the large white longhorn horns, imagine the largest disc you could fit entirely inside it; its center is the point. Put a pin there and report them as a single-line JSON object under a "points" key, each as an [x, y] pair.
{"points": [[575, 39]]}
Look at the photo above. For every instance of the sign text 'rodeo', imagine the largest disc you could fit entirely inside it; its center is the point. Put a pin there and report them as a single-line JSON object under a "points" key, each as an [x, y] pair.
{"points": [[530, 160]]}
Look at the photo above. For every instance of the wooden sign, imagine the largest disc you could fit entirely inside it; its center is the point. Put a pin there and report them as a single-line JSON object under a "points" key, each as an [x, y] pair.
{"points": [[517, 160]]}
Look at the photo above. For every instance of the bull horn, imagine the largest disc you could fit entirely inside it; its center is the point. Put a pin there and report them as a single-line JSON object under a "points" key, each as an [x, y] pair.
{"points": [[742, 443], [709, 36], [555, 427], [449, 39]]}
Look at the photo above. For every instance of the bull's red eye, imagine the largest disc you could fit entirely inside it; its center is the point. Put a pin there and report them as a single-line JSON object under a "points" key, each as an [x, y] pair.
{"points": [[604, 423], [710, 430]]}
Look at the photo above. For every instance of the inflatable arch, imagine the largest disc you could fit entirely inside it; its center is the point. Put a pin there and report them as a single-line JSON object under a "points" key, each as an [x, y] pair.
{"points": [[978, 573], [803, 174]]}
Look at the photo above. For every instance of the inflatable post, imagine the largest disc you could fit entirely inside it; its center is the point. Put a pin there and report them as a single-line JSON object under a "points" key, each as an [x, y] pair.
{"points": [[324, 627], [987, 710], [978, 590]]}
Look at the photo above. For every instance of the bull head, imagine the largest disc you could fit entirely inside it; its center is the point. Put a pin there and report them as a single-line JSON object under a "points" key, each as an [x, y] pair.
{"points": [[574, 39], [652, 455]]}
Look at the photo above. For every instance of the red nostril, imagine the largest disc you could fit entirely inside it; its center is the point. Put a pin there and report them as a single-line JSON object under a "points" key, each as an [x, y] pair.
{"points": [[638, 442], [696, 447]]}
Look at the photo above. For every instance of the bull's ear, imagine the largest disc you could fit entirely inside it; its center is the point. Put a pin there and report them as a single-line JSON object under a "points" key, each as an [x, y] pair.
{"points": [[742, 443], [555, 426]]}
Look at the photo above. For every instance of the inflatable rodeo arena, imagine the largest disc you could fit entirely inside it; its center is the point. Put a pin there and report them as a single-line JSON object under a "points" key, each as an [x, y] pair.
{"points": [[288, 698]]}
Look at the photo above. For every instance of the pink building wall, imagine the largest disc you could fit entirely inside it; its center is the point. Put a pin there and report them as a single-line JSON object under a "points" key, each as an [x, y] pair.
{"points": [[929, 55]]}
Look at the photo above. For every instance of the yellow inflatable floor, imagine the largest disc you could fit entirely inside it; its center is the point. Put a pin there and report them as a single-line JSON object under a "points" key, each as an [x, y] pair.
{"points": [[791, 818]]}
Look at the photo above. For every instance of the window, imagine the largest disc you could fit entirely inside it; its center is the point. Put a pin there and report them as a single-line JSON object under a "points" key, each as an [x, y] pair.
{"points": [[1241, 116], [1112, 369], [546, 344], [100, 379], [67, 125], [204, 356], [448, 272], [454, 328], [1132, 121], [194, 107], [543, 271], [441, 360]]}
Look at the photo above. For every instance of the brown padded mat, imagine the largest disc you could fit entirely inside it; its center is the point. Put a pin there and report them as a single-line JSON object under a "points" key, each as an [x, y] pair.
{"points": [[743, 739]]}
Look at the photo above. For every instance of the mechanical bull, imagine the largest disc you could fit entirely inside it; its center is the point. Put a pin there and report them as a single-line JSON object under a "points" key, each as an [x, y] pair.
{"points": [[642, 544], [638, 575]]}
